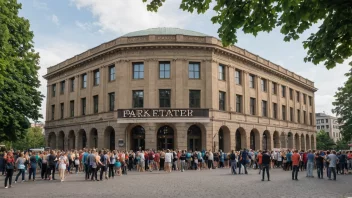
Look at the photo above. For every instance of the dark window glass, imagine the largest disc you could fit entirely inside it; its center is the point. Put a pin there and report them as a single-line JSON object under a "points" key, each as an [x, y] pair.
{"points": [[298, 116], [138, 98], [310, 100], [62, 109], [291, 94], [263, 84], [84, 106], [72, 108], [251, 81], [96, 77], [222, 101], [264, 108], [138, 70], [274, 88], [304, 99], [252, 106], [283, 89], [112, 101], [283, 110], [72, 83], [52, 112], [238, 77], [62, 87], [164, 97], [164, 70], [84, 80], [53, 88], [194, 98], [112, 73], [297, 95], [304, 117], [194, 70], [310, 118], [274, 110], [95, 104], [221, 72], [238, 103], [291, 114]]}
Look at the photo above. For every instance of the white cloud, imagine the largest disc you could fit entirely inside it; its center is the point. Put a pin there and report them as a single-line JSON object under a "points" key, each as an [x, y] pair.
{"points": [[40, 5], [126, 16], [55, 20], [87, 26], [55, 52]]}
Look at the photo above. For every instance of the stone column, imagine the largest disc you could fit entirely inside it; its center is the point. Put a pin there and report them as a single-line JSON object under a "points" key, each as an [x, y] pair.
{"points": [[180, 94], [103, 96], [181, 136], [208, 84], [48, 99], [77, 103], [269, 107], [89, 98], [150, 135], [67, 99], [258, 90], [245, 85], [231, 88]]}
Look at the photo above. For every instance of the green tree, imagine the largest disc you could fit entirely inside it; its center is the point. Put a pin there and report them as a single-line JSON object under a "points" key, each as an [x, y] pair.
{"points": [[19, 98], [343, 107], [324, 142], [33, 139], [331, 44], [342, 145]]}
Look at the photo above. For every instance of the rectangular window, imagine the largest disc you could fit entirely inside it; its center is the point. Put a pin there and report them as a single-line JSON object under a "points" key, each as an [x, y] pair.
{"points": [[252, 106], [165, 97], [318, 127], [304, 99], [222, 100], [194, 70], [62, 87], [326, 120], [53, 90], [283, 110], [138, 70], [238, 77], [221, 72], [291, 94], [274, 110], [322, 127], [238, 103], [84, 106], [297, 95], [112, 73], [84, 80], [96, 77], [283, 91], [311, 119], [138, 98], [112, 101], [310, 100], [291, 114], [264, 108], [318, 121], [95, 104], [72, 108], [274, 88], [322, 121], [52, 112], [164, 70], [298, 116], [62, 109], [251, 81], [194, 98], [72, 84], [263, 84], [327, 126]]}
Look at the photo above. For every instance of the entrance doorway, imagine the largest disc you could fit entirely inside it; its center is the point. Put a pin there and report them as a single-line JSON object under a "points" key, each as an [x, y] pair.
{"points": [[194, 138], [137, 138], [165, 138]]}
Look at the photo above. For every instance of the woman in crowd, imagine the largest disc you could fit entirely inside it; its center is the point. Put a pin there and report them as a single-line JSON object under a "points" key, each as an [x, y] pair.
{"points": [[9, 166], [62, 166], [21, 167], [32, 167]]}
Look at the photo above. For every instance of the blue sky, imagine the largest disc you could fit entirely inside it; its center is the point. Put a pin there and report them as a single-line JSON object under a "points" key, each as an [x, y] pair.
{"points": [[65, 28]]}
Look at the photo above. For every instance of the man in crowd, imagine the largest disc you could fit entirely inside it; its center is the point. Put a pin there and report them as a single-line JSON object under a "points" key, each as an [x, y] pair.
{"points": [[295, 163], [332, 159], [310, 163], [266, 158]]}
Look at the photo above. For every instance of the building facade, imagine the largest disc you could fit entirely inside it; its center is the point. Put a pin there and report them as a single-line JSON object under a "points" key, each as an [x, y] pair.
{"points": [[171, 88], [329, 124]]}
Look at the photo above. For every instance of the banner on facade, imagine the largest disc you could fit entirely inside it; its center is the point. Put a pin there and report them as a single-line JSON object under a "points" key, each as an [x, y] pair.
{"points": [[162, 113]]}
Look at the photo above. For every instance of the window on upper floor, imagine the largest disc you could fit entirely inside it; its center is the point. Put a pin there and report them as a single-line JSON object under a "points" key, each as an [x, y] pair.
{"points": [[291, 114], [297, 95], [112, 101], [194, 98], [274, 110], [291, 94], [164, 97], [283, 91], [95, 104], [274, 88], [164, 70], [62, 110], [84, 106], [72, 108], [318, 127], [283, 110], [222, 100], [72, 84], [252, 106], [238, 77], [112, 76], [96, 77], [194, 70], [310, 100], [52, 112], [138, 98], [62, 87], [221, 71], [84, 80], [138, 70], [251, 81], [53, 90], [264, 108], [304, 99], [239, 103], [263, 84]]}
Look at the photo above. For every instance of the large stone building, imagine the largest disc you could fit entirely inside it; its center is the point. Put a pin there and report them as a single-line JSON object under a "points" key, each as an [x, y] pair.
{"points": [[172, 88], [328, 124]]}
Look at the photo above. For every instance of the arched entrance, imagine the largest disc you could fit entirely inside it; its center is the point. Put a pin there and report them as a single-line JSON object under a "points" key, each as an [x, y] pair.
{"points": [[302, 142], [52, 140], [283, 140], [165, 137], [82, 139], [312, 142], [61, 141], [224, 139], [289, 140], [266, 140], [240, 139], [71, 140], [137, 138], [307, 142], [276, 139], [194, 138], [109, 136], [254, 139], [93, 138], [297, 142]]}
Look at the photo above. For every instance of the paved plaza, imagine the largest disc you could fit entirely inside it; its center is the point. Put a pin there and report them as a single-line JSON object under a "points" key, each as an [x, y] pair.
{"points": [[214, 183]]}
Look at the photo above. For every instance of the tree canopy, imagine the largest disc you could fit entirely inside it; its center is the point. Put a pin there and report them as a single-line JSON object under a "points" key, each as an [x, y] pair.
{"points": [[324, 142], [343, 107], [19, 98], [331, 44]]}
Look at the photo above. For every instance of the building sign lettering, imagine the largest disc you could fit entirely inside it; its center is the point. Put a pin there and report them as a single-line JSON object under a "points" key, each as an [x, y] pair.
{"points": [[162, 113]]}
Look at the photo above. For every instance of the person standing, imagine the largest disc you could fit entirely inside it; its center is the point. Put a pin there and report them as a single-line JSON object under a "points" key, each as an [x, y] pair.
{"points": [[233, 162], [265, 164], [295, 163], [62, 166], [52, 163], [320, 165], [32, 167], [9, 166], [168, 160], [259, 160], [243, 161], [289, 160], [183, 161], [310, 163], [20, 165], [210, 160], [333, 160]]}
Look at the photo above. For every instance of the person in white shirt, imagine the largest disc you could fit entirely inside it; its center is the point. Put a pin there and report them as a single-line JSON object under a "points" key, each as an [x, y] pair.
{"points": [[210, 160], [168, 160]]}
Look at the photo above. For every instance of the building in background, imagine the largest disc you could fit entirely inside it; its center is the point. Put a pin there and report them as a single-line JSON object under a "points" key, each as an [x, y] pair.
{"points": [[169, 88], [329, 124], [40, 125]]}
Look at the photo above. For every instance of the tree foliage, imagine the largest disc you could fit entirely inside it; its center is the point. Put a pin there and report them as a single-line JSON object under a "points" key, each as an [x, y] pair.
{"points": [[324, 142], [33, 138], [342, 145], [331, 44], [19, 98], [343, 107]]}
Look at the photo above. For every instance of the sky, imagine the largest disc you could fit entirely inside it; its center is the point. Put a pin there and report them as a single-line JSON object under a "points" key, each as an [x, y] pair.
{"points": [[66, 28]]}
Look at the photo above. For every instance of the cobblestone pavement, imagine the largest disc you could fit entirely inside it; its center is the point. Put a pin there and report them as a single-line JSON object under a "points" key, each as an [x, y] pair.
{"points": [[205, 183]]}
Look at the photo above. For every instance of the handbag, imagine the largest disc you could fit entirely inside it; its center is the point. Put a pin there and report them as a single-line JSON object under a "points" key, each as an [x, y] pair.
{"points": [[9, 166]]}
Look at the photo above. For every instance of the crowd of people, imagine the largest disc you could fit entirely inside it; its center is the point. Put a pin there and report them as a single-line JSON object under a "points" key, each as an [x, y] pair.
{"points": [[109, 164]]}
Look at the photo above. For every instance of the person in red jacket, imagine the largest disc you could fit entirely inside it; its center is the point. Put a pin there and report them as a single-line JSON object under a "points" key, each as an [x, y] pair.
{"points": [[295, 165]]}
